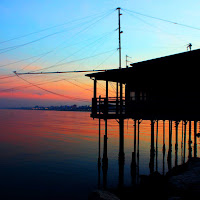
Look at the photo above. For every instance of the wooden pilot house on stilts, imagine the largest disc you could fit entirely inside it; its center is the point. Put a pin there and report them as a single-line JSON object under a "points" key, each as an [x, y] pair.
{"points": [[165, 88]]}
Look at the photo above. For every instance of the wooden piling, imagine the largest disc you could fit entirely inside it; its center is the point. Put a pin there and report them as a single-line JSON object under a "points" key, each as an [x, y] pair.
{"points": [[190, 141], [105, 156], [170, 146], [176, 143], [195, 139], [151, 164], [184, 145], [121, 138]]}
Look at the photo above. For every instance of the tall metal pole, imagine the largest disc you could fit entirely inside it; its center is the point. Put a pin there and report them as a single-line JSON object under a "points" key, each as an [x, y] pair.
{"points": [[121, 120], [119, 14], [120, 61]]}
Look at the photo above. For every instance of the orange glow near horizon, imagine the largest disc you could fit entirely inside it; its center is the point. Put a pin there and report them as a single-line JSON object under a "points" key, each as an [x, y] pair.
{"points": [[59, 88], [65, 88]]}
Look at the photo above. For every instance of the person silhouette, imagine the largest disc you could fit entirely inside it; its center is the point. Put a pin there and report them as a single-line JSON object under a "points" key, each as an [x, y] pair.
{"points": [[189, 46]]}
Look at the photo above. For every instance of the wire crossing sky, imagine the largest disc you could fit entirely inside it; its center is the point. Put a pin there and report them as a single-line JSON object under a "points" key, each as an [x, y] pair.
{"points": [[45, 36]]}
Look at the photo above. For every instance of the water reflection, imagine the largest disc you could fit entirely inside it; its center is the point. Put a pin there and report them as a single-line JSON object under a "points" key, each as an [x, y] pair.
{"points": [[53, 153]]}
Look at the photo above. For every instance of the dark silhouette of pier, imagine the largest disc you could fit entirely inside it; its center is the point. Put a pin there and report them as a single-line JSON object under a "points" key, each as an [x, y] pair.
{"points": [[159, 90]]}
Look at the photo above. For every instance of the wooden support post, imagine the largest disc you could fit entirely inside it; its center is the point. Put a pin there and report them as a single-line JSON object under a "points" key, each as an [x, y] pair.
{"points": [[121, 138], [138, 139], [138, 148], [95, 88], [176, 144], [121, 152], [163, 147], [133, 163], [94, 100], [170, 146], [182, 141], [151, 164], [170, 135], [121, 98], [106, 89], [117, 96], [157, 146], [99, 159], [106, 100], [190, 141], [163, 136], [105, 156], [135, 132], [195, 139], [152, 135], [184, 146]]}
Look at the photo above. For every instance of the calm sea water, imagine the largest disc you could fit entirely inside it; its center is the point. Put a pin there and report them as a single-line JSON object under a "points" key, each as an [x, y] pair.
{"points": [[53, 155]]}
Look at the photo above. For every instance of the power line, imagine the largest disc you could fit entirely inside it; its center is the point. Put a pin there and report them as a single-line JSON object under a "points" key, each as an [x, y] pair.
{"points": [[22, 60], [4, 50], [27, 86], [49, 91], [5, 77], [157, 18], [56, 65], [74, 52], [42, 55], [45, 29], [106, 59], [78, 85]]}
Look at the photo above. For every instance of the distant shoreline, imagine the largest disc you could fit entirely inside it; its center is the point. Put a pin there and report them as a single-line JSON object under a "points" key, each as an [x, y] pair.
{"points": [[81, 109]]}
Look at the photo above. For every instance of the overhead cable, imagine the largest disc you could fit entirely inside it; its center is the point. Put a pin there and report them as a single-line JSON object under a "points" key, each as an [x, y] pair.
{"points": [[157, 18]]}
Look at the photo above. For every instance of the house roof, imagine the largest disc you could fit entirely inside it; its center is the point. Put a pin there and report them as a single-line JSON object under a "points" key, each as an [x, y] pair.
{"points": [[177, 66]]}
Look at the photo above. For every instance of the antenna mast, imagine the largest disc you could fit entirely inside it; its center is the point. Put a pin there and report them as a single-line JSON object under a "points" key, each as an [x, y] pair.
{"points": [[127, 60], [119, 14]]}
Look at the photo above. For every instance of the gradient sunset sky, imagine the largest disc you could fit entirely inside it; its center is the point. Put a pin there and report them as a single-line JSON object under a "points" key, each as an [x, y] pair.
{"points": [[67, 35]]}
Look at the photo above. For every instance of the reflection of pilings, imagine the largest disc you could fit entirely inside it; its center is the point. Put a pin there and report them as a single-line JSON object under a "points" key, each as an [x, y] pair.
{"points": [[190, 141], [151, 164], [99, 175], [105, 170], [133, 168], [170, 146], [195, 139], [176, 144]]}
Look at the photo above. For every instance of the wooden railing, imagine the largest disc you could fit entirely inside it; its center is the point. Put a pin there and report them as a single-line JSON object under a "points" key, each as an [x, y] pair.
{"points": [[106, 106]]}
